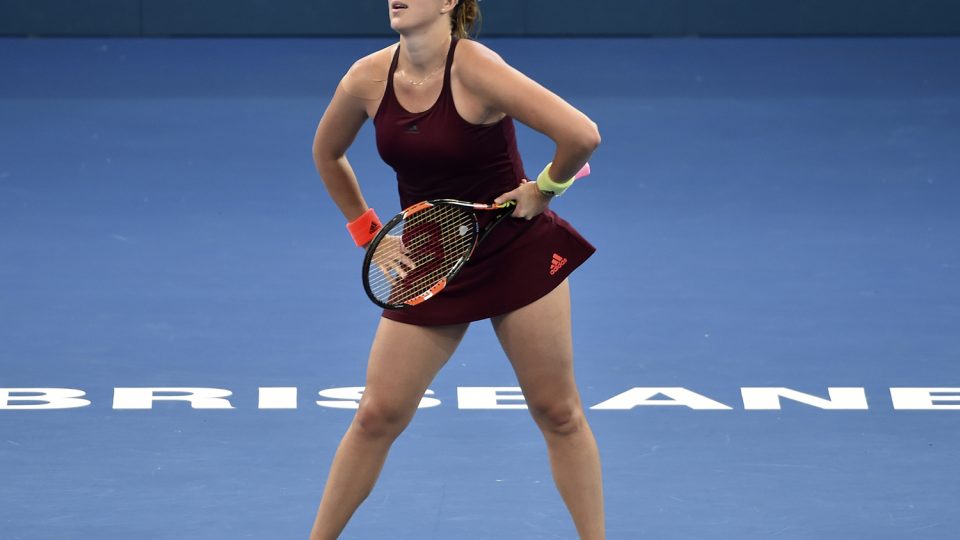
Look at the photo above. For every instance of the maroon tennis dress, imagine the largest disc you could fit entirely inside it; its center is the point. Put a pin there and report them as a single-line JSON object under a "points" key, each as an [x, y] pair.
{"points": [[439, 155]]}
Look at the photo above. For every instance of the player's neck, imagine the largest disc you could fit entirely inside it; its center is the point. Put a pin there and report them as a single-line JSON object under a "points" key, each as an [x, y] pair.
{"points": [[422, 50]]}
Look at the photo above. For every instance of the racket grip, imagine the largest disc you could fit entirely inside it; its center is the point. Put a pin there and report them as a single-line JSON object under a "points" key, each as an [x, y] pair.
{"points": [[584, 171]]}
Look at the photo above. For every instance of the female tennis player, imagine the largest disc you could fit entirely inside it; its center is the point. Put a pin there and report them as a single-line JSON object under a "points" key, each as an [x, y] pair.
{"points": [[443, 108]]}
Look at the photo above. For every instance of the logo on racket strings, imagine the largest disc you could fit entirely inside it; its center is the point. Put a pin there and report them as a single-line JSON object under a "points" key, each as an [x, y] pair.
{"points": [[556, 264]]}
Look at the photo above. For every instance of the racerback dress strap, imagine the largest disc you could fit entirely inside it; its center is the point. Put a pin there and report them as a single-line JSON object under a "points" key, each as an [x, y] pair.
{"points": [[393, 69], [446, 70]]}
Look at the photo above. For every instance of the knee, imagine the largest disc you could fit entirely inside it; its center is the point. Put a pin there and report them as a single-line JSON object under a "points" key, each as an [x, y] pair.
{"points": [[381, 420], [558, 417]]}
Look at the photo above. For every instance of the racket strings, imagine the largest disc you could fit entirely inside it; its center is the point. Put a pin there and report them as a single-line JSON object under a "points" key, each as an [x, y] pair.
{"points": [[432, 246], [433, 240]]}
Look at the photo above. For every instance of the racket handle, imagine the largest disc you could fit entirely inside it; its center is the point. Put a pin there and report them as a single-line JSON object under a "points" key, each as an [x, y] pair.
{"points": [[584, 171]]}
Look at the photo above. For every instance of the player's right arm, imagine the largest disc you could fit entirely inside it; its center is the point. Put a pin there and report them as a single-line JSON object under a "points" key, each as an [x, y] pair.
{"points": [[345, 115]]}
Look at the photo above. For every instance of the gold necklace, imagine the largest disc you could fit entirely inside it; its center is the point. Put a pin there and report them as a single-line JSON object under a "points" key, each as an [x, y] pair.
{"points": [[425, 79]]}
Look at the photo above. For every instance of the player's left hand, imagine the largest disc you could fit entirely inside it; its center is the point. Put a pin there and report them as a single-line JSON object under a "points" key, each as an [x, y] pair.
{"points": [[531, 202]]}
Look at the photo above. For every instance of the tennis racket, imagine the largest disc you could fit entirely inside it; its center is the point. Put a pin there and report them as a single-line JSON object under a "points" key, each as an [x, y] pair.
{"points": [[421, 249]]}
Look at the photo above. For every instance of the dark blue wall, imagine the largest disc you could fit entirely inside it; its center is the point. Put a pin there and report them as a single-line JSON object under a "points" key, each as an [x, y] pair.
{"points": [[502, 17], [65, 17]]}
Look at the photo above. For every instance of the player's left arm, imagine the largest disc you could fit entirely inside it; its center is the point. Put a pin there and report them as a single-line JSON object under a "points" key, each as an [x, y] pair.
{"points": [[505, 89]]}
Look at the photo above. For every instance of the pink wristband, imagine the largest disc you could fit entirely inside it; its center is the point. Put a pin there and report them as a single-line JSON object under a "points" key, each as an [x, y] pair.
{"points": [[364, 228]]}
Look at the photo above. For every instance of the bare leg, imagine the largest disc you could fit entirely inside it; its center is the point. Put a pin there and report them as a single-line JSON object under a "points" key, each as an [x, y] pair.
{"points": [[537, 339], [403, 361]]}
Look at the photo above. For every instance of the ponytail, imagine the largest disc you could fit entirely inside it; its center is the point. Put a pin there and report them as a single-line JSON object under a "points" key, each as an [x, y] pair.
{"points": [[466, 16]]}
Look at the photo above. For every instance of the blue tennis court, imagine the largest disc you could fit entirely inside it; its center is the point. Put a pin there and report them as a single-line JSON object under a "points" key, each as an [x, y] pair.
{"points": [[768, 336]]}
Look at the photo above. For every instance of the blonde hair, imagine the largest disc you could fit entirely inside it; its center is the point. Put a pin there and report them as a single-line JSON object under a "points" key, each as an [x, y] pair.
{"points": [[465, 16]]}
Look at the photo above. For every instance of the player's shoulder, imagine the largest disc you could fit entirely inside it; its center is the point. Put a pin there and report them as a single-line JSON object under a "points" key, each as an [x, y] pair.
{"points": [[472, 52], [373, 65], [367, 77], [478, 66]]}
